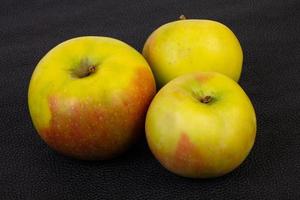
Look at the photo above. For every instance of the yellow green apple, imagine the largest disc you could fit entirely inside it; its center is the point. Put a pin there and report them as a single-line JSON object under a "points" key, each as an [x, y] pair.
{"points": [[192, 45], [88, 97], [201, 125]]}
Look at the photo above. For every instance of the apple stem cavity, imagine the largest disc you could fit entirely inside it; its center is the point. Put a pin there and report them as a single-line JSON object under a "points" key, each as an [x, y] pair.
{"points": [[83, 71], [182, 17], [206, 99]]}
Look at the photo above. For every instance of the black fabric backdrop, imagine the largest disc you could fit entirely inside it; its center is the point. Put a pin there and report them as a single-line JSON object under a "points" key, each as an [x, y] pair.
{"points": [[269, 34]]}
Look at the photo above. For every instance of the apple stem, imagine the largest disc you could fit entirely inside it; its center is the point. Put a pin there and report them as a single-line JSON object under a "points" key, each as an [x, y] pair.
{"points": [[206, 99], [91, 69], [182, 17]]}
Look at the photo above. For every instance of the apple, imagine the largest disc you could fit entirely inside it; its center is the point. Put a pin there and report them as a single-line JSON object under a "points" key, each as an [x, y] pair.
{"points": [[88, 97], [192, 45], [201, 125]]}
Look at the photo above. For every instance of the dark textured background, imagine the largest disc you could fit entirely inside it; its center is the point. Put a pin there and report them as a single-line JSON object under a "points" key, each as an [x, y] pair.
{"points": [[269, 34]]}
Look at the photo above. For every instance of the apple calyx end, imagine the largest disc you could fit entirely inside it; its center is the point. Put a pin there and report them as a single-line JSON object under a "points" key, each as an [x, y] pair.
{"points": [[206, 99]]}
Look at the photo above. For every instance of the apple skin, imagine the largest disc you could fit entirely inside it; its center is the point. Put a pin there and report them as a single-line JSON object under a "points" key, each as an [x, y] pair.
{"points": [[193, 45], [196, 138], [91, 114]]}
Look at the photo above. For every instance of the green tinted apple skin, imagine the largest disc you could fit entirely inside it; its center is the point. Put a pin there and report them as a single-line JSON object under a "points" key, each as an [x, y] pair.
{"points": [[193, 45], [201, 125]]}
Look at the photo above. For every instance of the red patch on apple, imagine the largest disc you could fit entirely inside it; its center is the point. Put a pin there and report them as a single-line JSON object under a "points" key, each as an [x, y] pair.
{"points": [[88, 130], [187, 155], [76, 128], [144, 80], [202, 77]]}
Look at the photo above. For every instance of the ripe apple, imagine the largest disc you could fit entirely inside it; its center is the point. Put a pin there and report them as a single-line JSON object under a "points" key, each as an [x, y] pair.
{"points": [[192, 45], [201, 125], [88, 97]]}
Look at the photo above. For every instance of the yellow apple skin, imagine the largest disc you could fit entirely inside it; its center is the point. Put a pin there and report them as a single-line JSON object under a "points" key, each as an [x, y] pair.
{"points": [[199, 139], [88, 97], [186, 46]]}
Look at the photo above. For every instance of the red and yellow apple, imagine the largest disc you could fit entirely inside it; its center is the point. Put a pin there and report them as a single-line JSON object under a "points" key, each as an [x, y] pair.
{"points": [[193, 45], [88, 97], [201, 125]]}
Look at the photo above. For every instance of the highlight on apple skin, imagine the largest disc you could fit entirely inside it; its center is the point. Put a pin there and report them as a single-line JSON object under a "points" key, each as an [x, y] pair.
{"points": [[201, 125], [88, 97], [192, 45]]}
